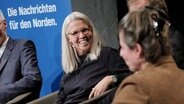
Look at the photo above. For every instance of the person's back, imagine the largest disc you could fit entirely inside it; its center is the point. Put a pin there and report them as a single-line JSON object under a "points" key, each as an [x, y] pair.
{"points": [[163, 83], [145, 47], [159, 84]]}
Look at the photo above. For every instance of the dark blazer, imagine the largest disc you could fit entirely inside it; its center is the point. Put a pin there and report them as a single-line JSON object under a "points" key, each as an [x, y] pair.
{"points": [[19, 71], [160, 83]]}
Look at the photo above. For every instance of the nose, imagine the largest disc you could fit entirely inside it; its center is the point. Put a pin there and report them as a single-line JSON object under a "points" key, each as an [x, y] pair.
{"points": [[81, 35]]}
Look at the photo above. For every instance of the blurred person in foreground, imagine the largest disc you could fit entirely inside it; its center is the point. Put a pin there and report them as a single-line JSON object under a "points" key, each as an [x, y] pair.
{"points": [[143, 36], [89, 67], [175, 36], [19, 70]]}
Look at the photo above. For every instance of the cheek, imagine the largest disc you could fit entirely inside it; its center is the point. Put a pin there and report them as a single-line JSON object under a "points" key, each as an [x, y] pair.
{"points": [[1, 28], [72, 40], [89, 36], [123, 54]]}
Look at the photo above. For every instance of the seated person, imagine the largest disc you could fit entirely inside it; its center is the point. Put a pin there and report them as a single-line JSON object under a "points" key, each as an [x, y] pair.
{"points": [[144, 46], [89, 67], [19, 71]]}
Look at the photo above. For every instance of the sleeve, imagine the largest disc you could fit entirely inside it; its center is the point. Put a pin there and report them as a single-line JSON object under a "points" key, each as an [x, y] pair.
{"points": [[30, 81], [131, 92], [61, 95], [117, 66]]}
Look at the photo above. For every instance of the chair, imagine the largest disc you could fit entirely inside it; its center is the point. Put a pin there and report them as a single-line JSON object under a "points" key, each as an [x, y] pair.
{"points": [[48, 99], [20, 98], [97, 98]]}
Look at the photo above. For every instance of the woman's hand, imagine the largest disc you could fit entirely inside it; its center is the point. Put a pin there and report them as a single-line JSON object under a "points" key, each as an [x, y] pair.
{"points": [[101, 87]]}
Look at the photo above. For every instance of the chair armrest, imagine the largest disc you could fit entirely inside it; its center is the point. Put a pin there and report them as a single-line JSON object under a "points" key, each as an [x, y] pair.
{"points": [[97, 98], [48, 99], [19, 98]]}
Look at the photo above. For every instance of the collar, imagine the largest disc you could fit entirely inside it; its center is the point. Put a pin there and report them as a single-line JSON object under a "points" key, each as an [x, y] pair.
{"points": [[5, 42], [162, 60]]}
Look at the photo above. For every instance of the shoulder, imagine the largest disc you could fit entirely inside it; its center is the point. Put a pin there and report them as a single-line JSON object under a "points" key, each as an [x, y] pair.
{"points": [[22, 42], [108, 50], [134, 79], [142, 79], [108, 53], [135, 83], [151, 77]]}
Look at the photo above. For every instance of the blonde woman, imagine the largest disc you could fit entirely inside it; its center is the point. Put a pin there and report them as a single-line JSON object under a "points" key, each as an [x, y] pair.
{"points": [[89, 67]]}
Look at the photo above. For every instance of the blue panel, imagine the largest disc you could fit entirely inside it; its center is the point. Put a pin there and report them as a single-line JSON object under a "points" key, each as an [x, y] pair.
{"points": [[40, 21]]}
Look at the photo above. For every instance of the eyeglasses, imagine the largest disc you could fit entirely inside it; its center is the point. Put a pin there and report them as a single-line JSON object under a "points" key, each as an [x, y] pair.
{"points": [[77, 33]]}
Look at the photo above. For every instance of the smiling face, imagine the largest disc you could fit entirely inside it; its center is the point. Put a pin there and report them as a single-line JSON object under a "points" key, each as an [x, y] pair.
{"points": [[80, 36]]}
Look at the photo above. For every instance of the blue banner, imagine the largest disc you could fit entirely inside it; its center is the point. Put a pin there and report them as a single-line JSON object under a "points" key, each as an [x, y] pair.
{"points": [[40, 21]]}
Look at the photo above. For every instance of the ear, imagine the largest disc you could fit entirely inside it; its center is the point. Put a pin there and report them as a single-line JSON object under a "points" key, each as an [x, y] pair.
{"points": [[138, 50]]}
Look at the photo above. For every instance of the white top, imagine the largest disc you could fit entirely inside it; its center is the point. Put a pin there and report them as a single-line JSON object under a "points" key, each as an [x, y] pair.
{"points": [[3, 46]]}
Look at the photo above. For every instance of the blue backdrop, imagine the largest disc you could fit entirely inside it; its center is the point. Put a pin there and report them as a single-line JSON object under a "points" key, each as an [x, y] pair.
{"points": [[40, 21]]}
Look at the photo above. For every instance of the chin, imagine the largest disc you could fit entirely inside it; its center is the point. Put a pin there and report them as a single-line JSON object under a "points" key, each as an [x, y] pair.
{"points": [[86, 50], [132, 69], [86, 47]]}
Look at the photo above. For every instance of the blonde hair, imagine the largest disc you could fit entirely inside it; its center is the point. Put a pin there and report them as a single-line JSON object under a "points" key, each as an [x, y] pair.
{"points": [[70, 59], [148, 28], [1, 15]]}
